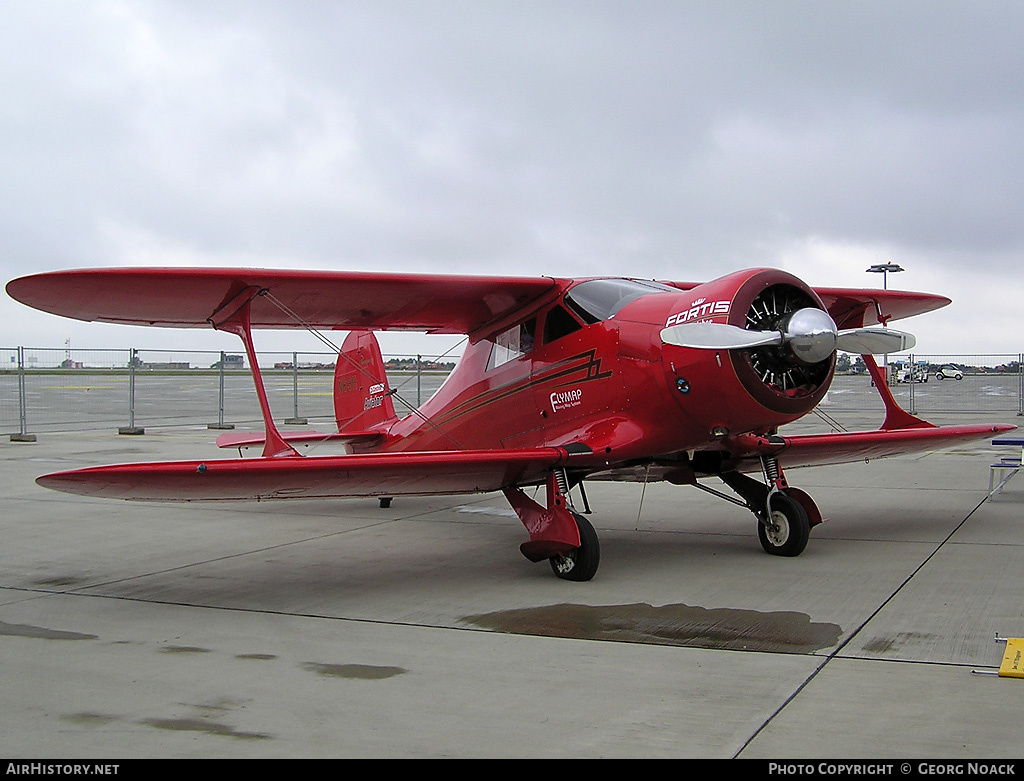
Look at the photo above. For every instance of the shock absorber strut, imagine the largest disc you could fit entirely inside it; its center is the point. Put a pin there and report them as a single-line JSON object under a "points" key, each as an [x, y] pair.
{"points": [[562, 480], [774, 479], [772, 472]]}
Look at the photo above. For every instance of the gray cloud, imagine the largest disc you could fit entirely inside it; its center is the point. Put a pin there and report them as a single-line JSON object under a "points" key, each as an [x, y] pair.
{"points": [[661, 139]]}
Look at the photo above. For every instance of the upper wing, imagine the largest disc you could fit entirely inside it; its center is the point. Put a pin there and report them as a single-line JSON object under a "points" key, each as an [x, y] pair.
{"points": [[447, 304], [853, 308], [382, 474], [857, 308], [190, 297]]}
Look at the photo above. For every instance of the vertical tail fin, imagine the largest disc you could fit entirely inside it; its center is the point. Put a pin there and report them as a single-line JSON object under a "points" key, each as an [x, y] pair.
{"points": [[362, 398]]}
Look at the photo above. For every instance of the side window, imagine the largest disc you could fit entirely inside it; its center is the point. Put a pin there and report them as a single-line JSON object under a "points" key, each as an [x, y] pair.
{"points": [[559, 323], [511, 344]]}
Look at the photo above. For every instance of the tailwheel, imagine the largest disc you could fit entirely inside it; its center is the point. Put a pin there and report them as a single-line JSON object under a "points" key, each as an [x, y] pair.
{"points": [[579, 564], [787, 529]]}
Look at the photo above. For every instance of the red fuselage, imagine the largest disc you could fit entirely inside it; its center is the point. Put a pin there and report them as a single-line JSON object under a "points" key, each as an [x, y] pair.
{"points": [[610, 384]]}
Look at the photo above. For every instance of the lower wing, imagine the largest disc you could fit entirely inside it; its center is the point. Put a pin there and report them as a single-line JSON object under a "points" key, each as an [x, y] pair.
{"points": [[847, 447], [386, 474]]}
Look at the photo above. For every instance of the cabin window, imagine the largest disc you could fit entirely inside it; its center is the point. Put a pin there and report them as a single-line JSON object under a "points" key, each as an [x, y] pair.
{"points": [[599, 299], [513, 343], [559, 323]]}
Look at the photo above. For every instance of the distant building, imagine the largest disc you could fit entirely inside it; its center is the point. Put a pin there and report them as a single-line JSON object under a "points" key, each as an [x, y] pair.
{"points": [[304, 366], [230, 362], [138, 363], [410, 364]]}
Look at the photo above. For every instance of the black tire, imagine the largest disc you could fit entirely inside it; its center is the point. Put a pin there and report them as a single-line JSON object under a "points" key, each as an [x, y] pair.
{"points": [[940, 376], [790, 528], [580, 564]]}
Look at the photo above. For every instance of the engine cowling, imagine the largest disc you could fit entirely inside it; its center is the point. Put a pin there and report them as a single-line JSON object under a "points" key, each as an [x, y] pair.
{"points": [[786, 380], [778, 377]]}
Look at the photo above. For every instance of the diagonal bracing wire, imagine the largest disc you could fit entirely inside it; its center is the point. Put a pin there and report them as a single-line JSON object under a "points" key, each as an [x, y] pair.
{"points": [[334, 348]]}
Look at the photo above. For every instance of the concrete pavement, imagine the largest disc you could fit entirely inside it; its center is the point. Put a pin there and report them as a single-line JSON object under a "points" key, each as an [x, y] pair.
{"points": [[340, 629]]}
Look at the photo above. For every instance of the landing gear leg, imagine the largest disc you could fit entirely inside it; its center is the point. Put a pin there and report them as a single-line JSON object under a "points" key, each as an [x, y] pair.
{"points": [[784, 515], [563, 537]]}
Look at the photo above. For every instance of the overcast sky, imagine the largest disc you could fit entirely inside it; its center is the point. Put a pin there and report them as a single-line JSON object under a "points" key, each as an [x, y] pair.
{"points": [[674, 140]]}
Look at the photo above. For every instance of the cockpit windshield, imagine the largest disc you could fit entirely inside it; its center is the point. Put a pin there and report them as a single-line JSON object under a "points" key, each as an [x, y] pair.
{"points": [[600, 299]]}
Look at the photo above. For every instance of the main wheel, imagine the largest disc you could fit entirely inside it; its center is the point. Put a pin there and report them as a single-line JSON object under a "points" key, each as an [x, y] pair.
{"points": [[581, 563], [788, 529]]}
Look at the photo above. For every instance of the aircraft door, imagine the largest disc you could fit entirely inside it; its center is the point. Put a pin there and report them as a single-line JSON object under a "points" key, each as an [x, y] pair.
{"points": [[513, 408], [573, 375]]}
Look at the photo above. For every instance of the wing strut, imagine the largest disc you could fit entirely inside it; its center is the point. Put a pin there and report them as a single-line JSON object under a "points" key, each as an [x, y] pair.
{"points": [[233, 317], [895, 416]]}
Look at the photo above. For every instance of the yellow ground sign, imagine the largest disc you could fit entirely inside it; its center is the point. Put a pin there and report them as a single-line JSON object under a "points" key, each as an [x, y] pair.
{"points": [[1013, 659]]}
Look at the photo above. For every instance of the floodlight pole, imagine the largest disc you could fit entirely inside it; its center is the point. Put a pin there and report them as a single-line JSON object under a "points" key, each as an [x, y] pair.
{"points": [[884, 269]]}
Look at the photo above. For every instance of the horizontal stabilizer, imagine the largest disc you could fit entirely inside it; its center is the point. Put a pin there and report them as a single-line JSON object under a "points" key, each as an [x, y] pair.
{"points": [[381, 474], [247, 439]]}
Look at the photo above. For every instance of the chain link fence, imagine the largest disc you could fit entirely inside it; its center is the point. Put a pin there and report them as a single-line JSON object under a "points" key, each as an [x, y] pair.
{"points": [[52, 389], [935, 383]]}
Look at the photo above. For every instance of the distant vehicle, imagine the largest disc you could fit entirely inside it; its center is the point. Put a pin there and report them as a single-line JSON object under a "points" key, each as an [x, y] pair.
{"points": [[910, 374], [951, 372]]}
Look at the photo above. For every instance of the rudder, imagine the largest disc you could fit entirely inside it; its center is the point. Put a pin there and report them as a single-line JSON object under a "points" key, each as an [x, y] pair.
{"points": [[362, 398]]}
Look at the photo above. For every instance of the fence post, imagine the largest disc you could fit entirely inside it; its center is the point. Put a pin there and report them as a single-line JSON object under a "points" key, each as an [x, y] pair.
{"points": [[913, 382], [1020, 384], [295, 420], [22, 435], [419, 375], [220, 424], [131, 428]]}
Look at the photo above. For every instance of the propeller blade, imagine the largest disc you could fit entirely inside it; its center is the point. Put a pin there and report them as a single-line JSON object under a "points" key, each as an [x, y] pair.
{"points": [[810, 333], [717, 336], [874, 341]]}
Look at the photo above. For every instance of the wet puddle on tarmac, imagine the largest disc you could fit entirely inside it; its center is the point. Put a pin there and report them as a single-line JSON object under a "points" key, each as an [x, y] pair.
{"points": [[366, 672], [40, 632], [684, 625]]}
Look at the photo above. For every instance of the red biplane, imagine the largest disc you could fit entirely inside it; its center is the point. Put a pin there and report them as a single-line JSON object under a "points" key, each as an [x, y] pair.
{"points": [[562, 381]]}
